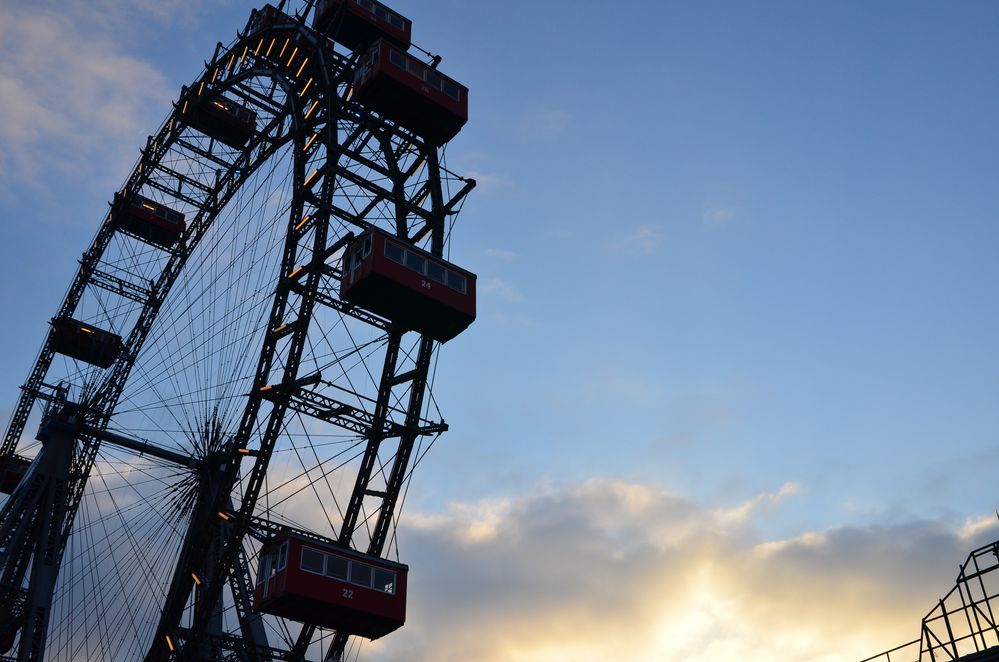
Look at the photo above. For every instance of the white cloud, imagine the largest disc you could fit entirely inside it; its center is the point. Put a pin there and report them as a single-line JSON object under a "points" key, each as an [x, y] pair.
{"points": [[974, 526], [490, 182], [546, 123], [619, 571], [466, 159], [70, 98], [761, 502], [499, 288], [165, 11], [512, 321], [718, 214], [611, 384], [643, 240]]}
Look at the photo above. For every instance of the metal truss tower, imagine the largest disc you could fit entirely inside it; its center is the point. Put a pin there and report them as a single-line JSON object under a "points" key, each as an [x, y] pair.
{"points": [[964, 624]]}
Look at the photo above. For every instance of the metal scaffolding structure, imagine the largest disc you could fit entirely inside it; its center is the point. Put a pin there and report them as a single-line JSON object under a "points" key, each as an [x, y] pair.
{"points": [[246, 394], [964, 624]]}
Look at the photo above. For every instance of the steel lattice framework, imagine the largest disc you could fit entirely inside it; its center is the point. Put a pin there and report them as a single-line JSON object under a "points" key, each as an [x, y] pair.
{"points": [[247, 398], [964, 624]]}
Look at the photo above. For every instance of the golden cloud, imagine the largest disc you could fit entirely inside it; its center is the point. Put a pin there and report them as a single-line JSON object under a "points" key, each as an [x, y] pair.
{"points": [[606, 570]]}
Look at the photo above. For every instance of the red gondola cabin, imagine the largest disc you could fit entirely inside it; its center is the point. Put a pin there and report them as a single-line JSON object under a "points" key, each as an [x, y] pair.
{"points": [[394, 279], [330, 586], [84, 342], [268, 16], [362, 23], [218, 117], [12, 470], [147, 220], [286, 28], [402, 88]]}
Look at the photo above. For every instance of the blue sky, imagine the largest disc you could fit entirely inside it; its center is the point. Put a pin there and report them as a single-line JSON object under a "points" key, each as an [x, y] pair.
{"points": [[737, 257]]}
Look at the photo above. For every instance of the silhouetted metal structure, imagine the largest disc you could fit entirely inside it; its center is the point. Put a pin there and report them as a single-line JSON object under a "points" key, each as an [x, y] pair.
{"points": [[205, 397], [964, 624]]}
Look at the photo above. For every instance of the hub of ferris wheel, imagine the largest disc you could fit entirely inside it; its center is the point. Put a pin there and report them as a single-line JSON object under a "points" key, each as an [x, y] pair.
{"points": [[274, 268]]}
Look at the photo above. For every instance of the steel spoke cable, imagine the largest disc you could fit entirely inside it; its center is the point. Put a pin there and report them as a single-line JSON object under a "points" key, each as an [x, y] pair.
{"points": [[313, 447], [334, 468], [177, 300], [175, 333], [315, 491]]}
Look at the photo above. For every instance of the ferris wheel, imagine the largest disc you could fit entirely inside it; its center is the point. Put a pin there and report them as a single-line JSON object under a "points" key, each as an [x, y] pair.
{"points": [[234, 394]]}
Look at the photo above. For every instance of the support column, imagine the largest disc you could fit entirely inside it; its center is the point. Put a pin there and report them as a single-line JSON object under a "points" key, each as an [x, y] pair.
{"points": [[35, 518]]}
